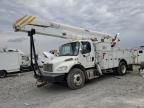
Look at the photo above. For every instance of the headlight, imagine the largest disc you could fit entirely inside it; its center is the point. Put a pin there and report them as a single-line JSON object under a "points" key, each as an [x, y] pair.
{"points": [[62, 68]]}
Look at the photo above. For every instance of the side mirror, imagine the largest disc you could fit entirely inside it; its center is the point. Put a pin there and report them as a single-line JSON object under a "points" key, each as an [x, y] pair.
{"points": [[82, 51]]}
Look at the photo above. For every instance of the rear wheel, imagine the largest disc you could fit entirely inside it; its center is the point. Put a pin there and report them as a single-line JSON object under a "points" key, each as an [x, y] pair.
{"points": [[3, 73], [76, 79], [122, 69]]}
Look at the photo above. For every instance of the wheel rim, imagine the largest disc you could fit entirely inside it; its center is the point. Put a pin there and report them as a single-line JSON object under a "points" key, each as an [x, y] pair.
{"points": [[77, 79], [123, 69]]}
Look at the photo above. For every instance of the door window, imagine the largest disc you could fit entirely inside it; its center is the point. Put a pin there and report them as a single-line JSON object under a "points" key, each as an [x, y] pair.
{"points": [[86, 47]]}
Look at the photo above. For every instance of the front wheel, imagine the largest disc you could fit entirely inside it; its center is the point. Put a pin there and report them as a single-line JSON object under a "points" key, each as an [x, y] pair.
{"points": [[75, 79], [3, 74], [122, 69]]}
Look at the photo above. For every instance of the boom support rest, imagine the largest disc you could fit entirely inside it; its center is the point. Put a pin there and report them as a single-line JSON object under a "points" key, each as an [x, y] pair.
{"points": [[33, 54]]}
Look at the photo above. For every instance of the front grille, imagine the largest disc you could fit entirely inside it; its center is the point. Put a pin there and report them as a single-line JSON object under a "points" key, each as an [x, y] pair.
{"points": [[48, 67]]}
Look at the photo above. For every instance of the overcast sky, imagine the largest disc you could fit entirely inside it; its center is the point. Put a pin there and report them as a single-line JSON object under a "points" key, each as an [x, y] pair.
{"points": [[112, 16]]}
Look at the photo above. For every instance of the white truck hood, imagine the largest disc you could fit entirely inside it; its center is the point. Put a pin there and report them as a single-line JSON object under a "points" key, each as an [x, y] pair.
{"points": [[62, 59]]}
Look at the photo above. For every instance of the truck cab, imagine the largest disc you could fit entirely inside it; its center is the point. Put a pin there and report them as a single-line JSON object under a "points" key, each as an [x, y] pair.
{"points": [[74, 55], [77, 52]]}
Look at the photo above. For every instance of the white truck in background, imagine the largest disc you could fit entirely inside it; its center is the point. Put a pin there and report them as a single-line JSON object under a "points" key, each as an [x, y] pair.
{"points": [[90, 55], [12, 61], [9, 63]]}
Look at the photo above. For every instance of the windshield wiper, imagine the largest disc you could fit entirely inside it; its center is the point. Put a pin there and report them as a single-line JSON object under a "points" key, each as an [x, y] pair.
{"points": [[66, 55]]}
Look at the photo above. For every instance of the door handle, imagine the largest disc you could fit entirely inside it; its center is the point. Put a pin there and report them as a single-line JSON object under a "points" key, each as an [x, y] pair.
{"points": [[86, 55]]}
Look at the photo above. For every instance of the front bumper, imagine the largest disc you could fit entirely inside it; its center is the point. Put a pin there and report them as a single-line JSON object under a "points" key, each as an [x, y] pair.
{"points": [[51, 77]]}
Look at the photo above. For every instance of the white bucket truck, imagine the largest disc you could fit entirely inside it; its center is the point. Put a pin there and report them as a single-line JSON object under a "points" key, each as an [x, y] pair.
{"points": [[90, 54]]}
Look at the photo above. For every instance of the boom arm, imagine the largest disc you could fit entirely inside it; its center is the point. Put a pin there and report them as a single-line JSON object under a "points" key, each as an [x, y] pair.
{"points": [[26, 23]]}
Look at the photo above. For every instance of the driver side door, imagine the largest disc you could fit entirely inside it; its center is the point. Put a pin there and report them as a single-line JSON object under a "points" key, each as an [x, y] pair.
{"points": [[86, 56]]}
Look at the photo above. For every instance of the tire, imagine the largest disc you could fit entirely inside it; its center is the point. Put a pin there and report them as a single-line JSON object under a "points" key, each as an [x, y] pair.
{"points": [[21, 69], [122, 69], [3, 73], [75, 79]]}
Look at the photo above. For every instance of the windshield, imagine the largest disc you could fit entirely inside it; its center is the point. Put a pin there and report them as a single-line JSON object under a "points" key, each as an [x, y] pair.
{"points": [[69, 49]]}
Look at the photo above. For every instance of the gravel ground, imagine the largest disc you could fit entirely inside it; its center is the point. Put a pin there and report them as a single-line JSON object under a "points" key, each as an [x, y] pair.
{"points": [[109, 91]]}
